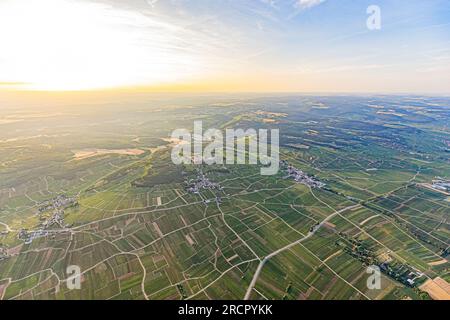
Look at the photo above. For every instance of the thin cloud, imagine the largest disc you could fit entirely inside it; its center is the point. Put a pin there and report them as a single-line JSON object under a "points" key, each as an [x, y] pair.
{"points": [[306, 4], [302, 5]]}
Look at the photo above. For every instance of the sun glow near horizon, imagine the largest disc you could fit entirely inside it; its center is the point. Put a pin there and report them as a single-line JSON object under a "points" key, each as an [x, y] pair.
{"points": [[59, 45], [223, 46]]}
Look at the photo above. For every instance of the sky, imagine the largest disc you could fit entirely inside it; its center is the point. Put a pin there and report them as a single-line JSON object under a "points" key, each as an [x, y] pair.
{"points": [[225, 46]]}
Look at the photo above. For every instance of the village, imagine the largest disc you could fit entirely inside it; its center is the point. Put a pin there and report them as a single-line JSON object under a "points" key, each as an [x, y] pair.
{"points": [[441, 184], [201, 182], [299, 176], [3, 253], [58, 205], [61, 201], [28, 236]]}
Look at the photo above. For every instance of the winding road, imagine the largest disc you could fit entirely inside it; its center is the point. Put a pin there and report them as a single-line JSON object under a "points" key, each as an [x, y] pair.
{"points": [[273, 254]]}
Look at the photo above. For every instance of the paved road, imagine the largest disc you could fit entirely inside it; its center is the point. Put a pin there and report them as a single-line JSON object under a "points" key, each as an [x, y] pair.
{"points": [[6, 226], [273, 254]]}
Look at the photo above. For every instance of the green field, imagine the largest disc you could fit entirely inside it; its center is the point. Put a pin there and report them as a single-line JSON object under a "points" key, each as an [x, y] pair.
{"points": [[137, 232]]}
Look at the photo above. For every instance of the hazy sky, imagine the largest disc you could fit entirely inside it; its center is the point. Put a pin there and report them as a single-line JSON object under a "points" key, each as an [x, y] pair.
{"points": [[225, 45]]}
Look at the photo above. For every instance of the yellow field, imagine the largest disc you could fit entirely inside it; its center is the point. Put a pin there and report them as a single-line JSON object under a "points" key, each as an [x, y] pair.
{"points": [[438, 289]]}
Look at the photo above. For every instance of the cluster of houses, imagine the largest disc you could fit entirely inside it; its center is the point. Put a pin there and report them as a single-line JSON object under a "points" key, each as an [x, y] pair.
{"points": [[3, 253], [56, 219], [28, 236], [442, 185], [202, 183], [300, 177], [58, 203], [402, 273]]}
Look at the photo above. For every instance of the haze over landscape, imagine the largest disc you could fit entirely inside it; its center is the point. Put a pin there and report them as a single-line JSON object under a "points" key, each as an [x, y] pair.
{"points": [[115, 182], [217, 46]]}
